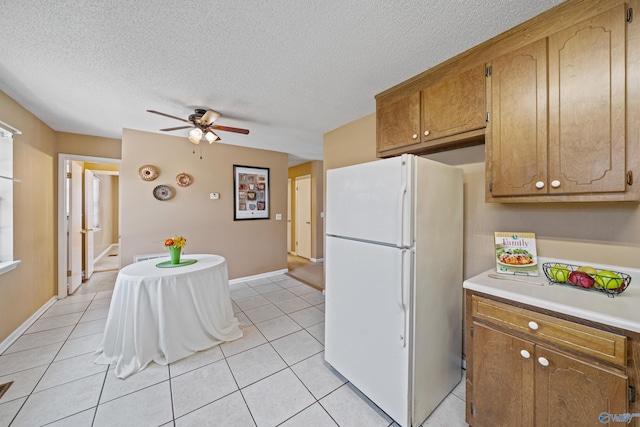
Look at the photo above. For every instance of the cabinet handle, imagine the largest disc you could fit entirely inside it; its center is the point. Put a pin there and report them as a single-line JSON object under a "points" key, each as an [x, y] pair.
{"points": [[533, 325], [543, 361], [555, 183], [525, 354], [539, 184], [426, 133], [414, 136]]}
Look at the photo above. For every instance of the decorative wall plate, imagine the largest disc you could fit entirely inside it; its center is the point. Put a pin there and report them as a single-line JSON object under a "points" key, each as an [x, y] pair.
{"points": [[163, 192], [148, 172], [184, 179]]}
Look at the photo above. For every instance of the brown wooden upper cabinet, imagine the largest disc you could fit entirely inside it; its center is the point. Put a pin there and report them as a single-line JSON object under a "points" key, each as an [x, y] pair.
{"points": [[558, 115], [398, 123], [430, 119], [454, 105]]}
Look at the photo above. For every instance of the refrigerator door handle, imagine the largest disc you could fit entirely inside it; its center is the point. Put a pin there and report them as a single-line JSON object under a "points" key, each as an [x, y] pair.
{"points": [[403, 192], [405, 265]]}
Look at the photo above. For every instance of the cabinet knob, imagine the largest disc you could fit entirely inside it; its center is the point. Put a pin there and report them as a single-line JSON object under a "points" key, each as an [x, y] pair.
{"points": [[533, 325], [426, 133], [414, 136], [525, 354], [543, 361], [539, 184], [555, 183]]}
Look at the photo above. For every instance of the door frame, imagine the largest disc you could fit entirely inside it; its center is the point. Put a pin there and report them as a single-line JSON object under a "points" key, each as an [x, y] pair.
{"points": [[88, 222], [298, 225], [62, 203], [74, 226], [289, 231]]}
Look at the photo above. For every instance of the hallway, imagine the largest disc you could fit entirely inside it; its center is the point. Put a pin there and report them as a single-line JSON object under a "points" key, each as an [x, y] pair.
{"points": [[307, 272]]}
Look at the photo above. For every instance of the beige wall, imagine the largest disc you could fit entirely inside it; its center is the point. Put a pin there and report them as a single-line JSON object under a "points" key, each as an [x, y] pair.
{"points": [[86, 145], [351, 144], [607, 233], [251, 247], [25, 289], [314, 169]]}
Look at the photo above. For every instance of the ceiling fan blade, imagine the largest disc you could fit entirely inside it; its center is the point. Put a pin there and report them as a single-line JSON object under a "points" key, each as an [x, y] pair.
{"points": [[230, 129], [168, 115], [176, 128]]}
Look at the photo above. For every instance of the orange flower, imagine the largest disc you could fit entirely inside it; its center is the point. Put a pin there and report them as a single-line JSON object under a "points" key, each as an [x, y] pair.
{"points": [[176, 242]]}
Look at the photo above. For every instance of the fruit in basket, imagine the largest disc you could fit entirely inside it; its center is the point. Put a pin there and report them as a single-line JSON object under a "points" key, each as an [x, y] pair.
{"points": [[608, 279], [588, 269], [581, 279], [559, 273]]}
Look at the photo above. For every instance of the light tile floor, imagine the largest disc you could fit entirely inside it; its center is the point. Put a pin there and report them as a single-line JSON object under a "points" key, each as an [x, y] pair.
{"points": [[274, 376]]}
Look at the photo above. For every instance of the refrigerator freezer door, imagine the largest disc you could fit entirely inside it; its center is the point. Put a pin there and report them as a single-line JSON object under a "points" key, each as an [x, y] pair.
{"points": [[366, 324], [372, 201]]}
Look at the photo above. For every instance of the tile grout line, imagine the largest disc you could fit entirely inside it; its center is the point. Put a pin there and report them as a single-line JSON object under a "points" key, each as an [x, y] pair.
{"points": [[49, 364], [94, 298]]}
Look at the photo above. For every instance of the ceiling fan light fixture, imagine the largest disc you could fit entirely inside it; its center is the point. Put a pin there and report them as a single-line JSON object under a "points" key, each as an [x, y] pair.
{"points": [[195, 135], [210, 116], [211, 137]]}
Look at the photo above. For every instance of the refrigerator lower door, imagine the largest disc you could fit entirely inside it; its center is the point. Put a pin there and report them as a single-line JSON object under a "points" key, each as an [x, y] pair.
{"points": [[366, 321]]}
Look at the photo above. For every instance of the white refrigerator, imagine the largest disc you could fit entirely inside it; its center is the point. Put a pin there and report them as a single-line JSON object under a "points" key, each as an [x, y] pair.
{"points": [[393, 282]]}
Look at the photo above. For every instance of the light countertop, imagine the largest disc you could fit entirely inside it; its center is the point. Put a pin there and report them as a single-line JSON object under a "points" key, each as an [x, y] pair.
{"points": [[621, 311]]}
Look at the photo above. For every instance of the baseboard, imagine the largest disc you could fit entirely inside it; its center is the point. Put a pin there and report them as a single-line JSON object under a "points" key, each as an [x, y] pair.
{"points": [[258, 276], [104, 253], [316, 259], [26, 325]]}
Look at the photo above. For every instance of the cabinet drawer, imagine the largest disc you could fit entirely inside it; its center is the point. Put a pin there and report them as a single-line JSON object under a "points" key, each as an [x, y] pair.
{"points": [[593, 342]]}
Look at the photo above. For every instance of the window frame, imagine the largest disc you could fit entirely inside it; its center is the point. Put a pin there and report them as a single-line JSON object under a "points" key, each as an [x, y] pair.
{"points": [[7, 182]]}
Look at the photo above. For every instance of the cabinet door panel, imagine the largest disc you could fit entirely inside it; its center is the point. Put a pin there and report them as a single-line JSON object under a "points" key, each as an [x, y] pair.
{"points": [[398, 122], [587, 105], [518, 122], [454, 105], [570, 392], [503, 393]]}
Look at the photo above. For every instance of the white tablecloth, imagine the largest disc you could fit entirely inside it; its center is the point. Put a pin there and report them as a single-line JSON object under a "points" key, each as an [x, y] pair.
{"points": [[165, 314]]}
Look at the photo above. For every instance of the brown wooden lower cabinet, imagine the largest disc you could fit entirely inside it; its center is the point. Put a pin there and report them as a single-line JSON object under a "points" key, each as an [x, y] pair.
{"points": [[516, 379]]}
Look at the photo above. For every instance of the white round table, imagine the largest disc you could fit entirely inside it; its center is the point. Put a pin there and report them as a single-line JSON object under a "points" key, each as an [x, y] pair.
{"points": [[166, 314]]}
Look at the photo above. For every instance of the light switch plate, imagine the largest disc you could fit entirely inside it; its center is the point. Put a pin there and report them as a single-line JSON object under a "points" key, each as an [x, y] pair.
{"points": [[214, 196], [278, 217]]}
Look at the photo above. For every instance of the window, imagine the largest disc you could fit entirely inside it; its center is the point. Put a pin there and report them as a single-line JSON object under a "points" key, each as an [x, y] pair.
{"points": [[7, 182]]}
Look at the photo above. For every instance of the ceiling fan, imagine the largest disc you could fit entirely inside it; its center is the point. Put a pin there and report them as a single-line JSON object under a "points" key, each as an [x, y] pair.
{"points": [[202, 123]]}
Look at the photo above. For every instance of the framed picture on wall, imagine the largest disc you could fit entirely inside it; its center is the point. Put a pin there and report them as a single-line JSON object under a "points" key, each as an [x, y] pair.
{"points": [[250, 192]]}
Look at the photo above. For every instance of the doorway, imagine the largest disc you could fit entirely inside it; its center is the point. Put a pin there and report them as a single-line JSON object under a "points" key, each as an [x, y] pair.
{"points": [[303, 216], [73, 221]]}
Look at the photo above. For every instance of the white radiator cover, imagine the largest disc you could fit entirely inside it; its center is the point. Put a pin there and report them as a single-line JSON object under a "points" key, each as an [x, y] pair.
{"points": [[138, 258]]}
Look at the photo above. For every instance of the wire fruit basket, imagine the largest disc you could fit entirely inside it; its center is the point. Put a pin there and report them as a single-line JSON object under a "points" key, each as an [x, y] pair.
{"points": [[588, 278]]}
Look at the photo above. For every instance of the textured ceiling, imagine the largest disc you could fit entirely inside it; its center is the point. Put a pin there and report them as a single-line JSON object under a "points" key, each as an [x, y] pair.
{"points": [[288, 70]]}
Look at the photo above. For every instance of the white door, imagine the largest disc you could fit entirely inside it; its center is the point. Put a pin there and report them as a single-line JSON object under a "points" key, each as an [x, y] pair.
{"points": [[372, 201], [289, 215], [75, 228], [367, 320], [303, 216], [88, 223]]}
